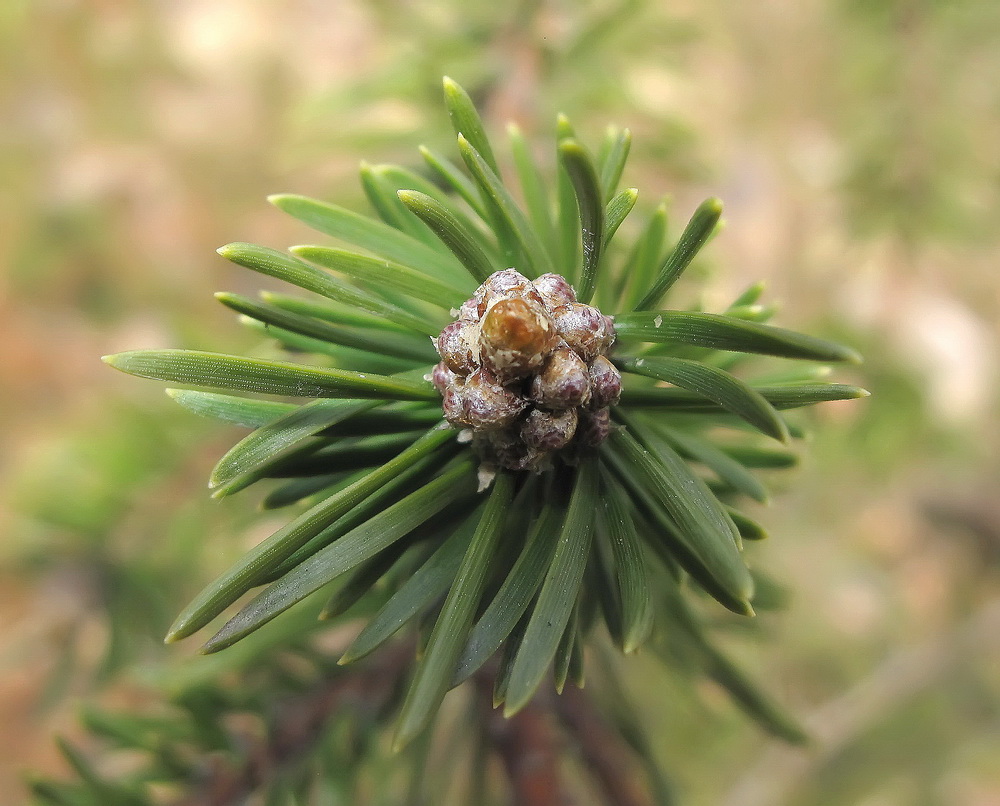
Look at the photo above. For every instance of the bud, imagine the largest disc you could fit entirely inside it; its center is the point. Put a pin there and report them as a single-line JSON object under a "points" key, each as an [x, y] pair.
{"points": [[509, 284], [549, 431], [554, 290], [605, 383], [506, 448], [442, 377], [523, 369], [453, 402], [594, 426], [485, 404], [472, 309], [563, 383], [455, 346], [515, 338], [586, 330]]}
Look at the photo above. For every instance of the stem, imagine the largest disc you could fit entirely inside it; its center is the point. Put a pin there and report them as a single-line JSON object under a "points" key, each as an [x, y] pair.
{"points": [[298, 727], [530, 744], [529, 747], [601, 748], [835, 726]]}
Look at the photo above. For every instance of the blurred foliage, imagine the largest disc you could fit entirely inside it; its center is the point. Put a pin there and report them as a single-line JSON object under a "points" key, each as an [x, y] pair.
{"points": [[854, 144]]}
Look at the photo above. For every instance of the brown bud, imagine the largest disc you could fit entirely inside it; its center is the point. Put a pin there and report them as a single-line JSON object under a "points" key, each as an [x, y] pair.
{"points": [[586, 330], [472, 309], [594, 426], [454, 345], [453, 405], [523, 369], [549, 431], [555, 290], [515, 338], [605, 383], [563, 383], [508, 284], [485, 404], [442, 377], [506, 448]]}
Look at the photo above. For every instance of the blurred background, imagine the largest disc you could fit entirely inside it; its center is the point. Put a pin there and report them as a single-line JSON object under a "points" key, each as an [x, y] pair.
{"points": [[854, 143]]}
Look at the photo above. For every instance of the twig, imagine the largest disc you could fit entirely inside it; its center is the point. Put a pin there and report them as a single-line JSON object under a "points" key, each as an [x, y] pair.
{"points": [[297, 728], [902, 675], [528, 746], [604, 754]]}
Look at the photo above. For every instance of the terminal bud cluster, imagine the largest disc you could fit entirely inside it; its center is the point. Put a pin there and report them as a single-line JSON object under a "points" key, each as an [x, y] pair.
{"points": [[524, 369]]}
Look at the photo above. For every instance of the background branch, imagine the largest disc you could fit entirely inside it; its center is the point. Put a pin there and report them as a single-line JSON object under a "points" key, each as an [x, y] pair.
{"points": [[297, 728], [529, 747], [604, 754], [905, 673]]}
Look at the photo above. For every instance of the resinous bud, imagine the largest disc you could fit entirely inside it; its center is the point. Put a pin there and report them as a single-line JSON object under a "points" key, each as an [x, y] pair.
{"points": [[486, 405], [585, 329], [455, 346], [509, 284], [523, 371], [506, 284], [515, 338], [549, 431], [555, 290], [605, 383], [563, 383], [594, 426], [442, 377], [508, 449]]}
